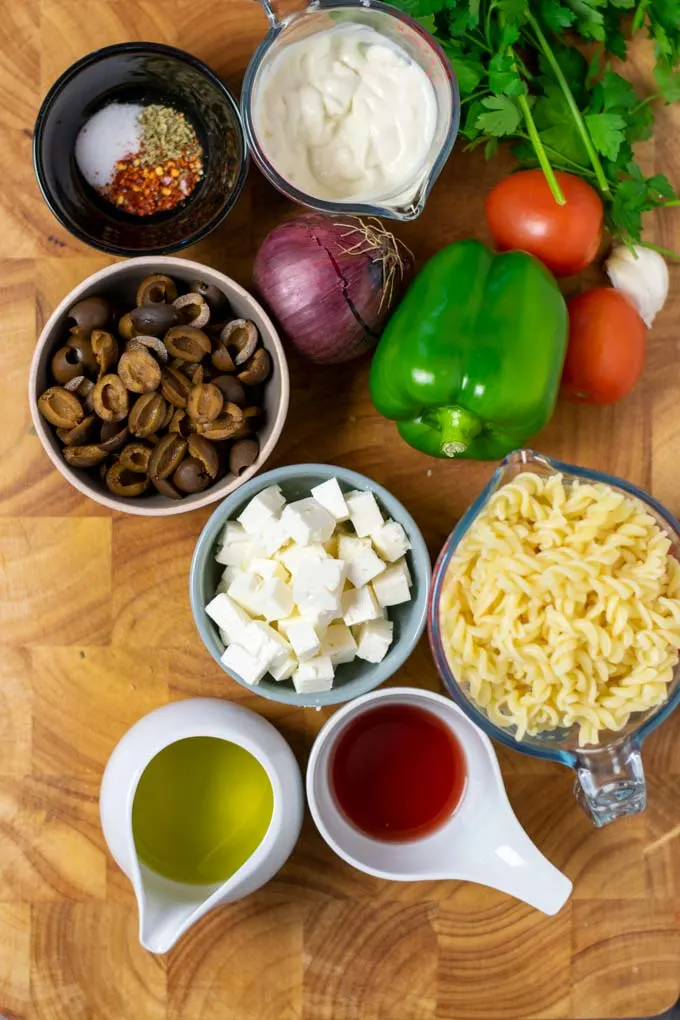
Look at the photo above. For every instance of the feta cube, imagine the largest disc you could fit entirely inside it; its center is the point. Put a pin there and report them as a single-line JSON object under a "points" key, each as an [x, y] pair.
{"points": [[295, 555], [359, 605], [233, 532], [275, 599], [262, 508], [228, 616], [236, 554], [317, 586], [272, 537], [245, 590], [268, 568], [314, 675], [390, 541], [307, 521], [228, 575], [402, 566], [329, 494], [374, 639], [320, 619], [285, 670], [338, 643], [391, 587], [364, 513], [365, 565], [264, 643], [302, 636], [222, 585], [239, 661]]}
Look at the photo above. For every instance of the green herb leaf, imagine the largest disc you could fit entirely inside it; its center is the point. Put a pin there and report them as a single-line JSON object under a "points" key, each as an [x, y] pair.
{"points": [[504, 78], [607, 132], [469, 70], [501, 117], [668, 82], [614, 91], [660, 186]]}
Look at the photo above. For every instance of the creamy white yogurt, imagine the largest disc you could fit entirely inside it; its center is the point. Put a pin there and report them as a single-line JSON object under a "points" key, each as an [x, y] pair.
{"points": [[345, 114]]}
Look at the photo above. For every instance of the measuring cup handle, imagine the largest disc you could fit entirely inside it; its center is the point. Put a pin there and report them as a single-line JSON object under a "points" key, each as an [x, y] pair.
{"points": [[287, 7], [610, 782]]}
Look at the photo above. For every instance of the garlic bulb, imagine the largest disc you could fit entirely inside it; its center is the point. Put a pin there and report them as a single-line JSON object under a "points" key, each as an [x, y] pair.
{"points": [[642, 275]]}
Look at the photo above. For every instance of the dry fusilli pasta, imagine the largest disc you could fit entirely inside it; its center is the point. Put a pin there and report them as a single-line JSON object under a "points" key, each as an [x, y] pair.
{"points": [[561, 607]]}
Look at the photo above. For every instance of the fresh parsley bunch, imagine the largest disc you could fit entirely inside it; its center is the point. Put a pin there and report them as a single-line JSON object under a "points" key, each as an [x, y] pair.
{"points": [[519, 80]]}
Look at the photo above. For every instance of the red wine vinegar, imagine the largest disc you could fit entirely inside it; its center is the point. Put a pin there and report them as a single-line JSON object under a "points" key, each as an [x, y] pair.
{"points": [[397, 772]]}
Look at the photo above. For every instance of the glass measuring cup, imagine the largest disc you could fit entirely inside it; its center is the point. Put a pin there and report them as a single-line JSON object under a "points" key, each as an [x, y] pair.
{"points": [[610, 780], [403, 30]]}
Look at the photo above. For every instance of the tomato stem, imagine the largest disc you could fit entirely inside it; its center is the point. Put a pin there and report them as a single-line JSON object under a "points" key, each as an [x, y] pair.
{"points": [[541, 154]]}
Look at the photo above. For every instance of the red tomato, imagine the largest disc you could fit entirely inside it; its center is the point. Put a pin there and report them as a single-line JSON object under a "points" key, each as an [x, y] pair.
{"points": [[606, 349], [522, 213]]}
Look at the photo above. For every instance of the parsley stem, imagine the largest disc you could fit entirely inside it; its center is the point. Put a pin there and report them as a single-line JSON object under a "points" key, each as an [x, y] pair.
{"points": [[602, 182], [540, 151], [558, 156], [669, 204], [662, 251]]}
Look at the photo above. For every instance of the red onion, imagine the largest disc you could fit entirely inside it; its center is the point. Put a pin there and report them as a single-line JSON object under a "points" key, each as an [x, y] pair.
{"points": [[331, 283]]}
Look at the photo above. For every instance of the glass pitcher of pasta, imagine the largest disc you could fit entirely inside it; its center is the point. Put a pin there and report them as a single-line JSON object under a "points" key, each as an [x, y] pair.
{"points": [[555, 622]]}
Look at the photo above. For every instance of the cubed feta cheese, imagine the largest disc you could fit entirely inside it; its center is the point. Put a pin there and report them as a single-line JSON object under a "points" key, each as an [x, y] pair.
{"points": [[391, 587], [359, 605], [314, 675], [402, 566], [228, 575], [223, 585], [364, 512], [262, 509], [228, 616], [338, 643], [307, 521], [321, 618], [285, 670], [329, 494], [374, 639], [233, 532], [390, 541], [237, 554], [295, 555], [365, 566], [264, 643], [268, 568], [272, 537], [275, 599], [317, 586], [239, 661], [302, 636], [245, 590]]}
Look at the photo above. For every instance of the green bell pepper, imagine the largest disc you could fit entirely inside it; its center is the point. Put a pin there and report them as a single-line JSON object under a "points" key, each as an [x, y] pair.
{"points": [[470, 362]]}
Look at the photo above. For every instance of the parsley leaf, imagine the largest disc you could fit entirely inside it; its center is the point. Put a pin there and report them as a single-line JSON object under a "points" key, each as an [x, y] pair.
{"points": [[502, 116], [606, 131]]}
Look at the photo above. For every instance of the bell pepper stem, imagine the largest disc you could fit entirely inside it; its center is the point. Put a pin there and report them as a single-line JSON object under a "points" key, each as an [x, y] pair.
{"points": [[456, 426]]}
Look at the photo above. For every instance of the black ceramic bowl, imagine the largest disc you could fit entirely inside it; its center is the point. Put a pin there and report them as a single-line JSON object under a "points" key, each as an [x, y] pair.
{"points": [[129, 73]]}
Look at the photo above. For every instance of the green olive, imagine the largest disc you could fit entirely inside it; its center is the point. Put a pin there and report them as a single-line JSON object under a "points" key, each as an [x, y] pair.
{"points": [[123, 482], [80, 342]]}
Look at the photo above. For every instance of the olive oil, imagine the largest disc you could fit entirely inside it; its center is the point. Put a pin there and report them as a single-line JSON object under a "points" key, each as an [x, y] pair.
{"points": [[201, 809]]}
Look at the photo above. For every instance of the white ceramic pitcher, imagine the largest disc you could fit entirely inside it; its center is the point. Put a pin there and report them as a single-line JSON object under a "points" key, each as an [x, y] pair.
{"points": [[168, 908], [481, 841]]}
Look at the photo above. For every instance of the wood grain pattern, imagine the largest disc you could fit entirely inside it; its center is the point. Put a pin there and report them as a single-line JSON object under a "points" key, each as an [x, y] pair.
{"points": [[96, 630]]}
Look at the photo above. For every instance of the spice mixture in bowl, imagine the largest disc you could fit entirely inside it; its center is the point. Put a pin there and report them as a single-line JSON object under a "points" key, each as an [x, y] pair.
{"points": [[139, 149]]}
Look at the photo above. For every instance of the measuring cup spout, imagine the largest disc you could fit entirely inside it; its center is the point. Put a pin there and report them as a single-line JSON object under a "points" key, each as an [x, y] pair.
{"points": [[610, 781]]}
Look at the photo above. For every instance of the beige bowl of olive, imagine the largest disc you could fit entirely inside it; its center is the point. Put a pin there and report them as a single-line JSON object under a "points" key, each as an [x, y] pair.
{"points": [[158, 386]]}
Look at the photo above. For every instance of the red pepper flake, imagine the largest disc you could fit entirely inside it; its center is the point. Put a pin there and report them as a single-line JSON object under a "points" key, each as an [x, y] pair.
{"points": [[144, 189]]}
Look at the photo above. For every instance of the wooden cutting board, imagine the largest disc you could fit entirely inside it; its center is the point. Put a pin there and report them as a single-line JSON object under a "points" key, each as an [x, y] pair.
{"points": [[96, 630]]}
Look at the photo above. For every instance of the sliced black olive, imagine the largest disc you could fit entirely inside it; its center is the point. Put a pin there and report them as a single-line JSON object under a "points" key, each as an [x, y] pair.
{"points": [[90, 313], [154, 319]]}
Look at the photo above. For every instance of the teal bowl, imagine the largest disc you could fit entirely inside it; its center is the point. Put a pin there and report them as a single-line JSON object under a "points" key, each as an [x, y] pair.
{"points": [[352, 678]]}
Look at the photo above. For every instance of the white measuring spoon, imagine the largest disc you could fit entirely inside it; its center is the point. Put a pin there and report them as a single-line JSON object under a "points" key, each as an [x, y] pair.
{"points": [[482, 841]]}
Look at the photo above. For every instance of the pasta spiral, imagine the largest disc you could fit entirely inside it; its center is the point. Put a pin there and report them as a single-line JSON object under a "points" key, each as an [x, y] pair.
{"points": [[561, 608]]}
